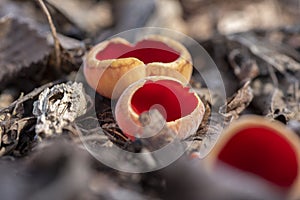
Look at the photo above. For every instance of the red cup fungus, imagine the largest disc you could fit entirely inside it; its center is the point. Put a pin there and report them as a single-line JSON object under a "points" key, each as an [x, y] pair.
{"points": [[182, 109], [108, 61], [262, 148]]}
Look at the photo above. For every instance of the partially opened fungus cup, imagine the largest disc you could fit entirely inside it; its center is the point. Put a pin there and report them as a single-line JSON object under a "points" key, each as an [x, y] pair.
{"points": [[181, 108], [108, 61], [262, 148]]}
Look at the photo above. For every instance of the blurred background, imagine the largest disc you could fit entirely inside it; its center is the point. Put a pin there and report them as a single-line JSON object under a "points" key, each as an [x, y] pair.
{"points": [[200, 19]]}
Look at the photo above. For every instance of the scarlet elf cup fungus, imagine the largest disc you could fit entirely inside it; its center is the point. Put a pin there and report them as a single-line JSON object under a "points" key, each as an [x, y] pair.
{"points": [[182, 108], [262, 148], [108, 61]]}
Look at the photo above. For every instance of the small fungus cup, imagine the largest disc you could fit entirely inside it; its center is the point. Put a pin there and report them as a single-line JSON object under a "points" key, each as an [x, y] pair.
{"points": [[265, 149], [108, 61], [182, 109]]}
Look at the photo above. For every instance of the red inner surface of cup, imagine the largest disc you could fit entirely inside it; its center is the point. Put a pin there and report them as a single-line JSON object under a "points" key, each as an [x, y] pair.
{"points": [[175, 100], [147, 51], [264, 152]]}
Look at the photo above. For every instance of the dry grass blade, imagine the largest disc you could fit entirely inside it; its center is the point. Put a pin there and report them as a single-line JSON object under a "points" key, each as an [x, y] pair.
{"points": [[57, 45]]}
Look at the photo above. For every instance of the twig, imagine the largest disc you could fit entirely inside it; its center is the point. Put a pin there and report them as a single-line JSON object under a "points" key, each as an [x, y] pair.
{"points": [[28, 96], [57, 45]]}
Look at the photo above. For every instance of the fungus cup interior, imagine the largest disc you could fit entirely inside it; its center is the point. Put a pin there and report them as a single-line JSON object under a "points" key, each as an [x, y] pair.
{"points": [[263, 152], [147, 51], [169, 97]]}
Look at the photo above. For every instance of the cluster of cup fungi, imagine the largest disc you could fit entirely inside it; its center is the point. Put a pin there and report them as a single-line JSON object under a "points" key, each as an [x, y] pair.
{"points": [[252, 144]]}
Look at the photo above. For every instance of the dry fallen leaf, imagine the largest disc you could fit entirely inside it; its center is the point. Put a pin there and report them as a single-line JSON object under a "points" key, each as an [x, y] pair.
{"points": [[265, 51], [238, 102], [17, 51]]}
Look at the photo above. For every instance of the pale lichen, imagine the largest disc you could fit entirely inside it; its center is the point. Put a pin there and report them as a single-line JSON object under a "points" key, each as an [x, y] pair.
{"points": [[59, 106]]}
